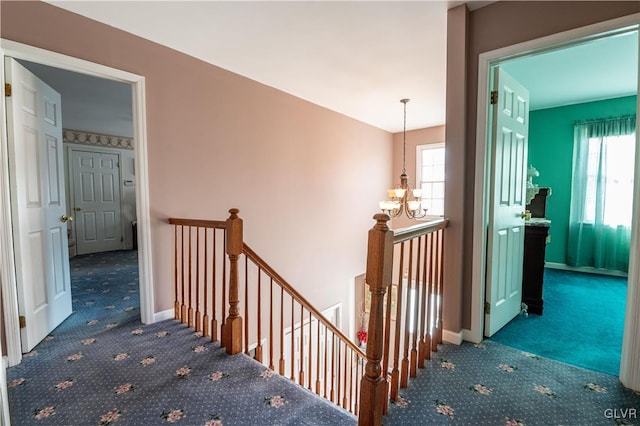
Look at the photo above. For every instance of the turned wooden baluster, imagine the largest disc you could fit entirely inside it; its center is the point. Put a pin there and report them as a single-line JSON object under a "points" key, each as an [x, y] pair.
{"points": [[301, 347], [223, 301], [176, 306], [214, 316], [198, 318], [395, 372], [437, 296], [247, 317], [326, 358], [413, 361], [205, 317], [183, 307], [310, 354], [378, 276], [271, 335], [292, 348], [190, 292], [387, 348], [440, 283], [318, 362], [281, 361], [432, 299], [422, 330], [404, 372], [233, 326]]}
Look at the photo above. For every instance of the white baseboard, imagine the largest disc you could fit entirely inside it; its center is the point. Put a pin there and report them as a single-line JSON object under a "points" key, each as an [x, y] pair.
{"points": [[454, 337], [586, 269], [469, 336], [163, 315]]}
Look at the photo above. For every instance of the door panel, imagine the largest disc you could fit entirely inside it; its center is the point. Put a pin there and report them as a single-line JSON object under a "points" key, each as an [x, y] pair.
{"points": [[506, 225], [96, 187], [37, 204]]}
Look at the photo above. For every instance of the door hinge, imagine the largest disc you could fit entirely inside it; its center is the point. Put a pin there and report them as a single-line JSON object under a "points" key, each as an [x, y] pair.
{"points": [[7, 90], [23, 321], [494, 97], [487, 308]]}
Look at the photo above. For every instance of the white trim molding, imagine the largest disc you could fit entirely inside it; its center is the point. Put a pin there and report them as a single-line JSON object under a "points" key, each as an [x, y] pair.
{"points": [[630, 360], [455, 337], [163, 315]]}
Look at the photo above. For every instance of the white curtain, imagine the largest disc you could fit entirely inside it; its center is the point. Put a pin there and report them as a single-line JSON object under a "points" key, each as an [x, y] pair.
{"points": [[602, 193]]}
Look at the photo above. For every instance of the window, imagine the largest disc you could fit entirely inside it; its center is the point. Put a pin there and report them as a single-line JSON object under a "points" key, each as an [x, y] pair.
{"points": [[430, 177], [610, 171]]}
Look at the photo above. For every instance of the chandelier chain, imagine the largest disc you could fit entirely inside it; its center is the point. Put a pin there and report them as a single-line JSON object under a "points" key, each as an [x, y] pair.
{"points": [[404, 138], [405, 197]]}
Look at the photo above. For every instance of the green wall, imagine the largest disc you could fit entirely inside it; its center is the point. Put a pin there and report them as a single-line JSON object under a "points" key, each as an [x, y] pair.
{"points": [[551, 152]]}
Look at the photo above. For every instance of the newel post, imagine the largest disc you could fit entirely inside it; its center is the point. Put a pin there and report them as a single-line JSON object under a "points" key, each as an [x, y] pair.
{"points": [[232, 333], [378, 275]]}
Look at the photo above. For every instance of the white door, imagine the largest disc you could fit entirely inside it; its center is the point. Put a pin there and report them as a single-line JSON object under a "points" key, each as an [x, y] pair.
{"points": [[510, 128], [36, 175], [96, 189]]}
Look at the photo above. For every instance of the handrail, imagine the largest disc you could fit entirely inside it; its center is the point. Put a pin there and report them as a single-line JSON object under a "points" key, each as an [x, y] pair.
{"points": [[218, 224], [298, 297], [415, 231]]}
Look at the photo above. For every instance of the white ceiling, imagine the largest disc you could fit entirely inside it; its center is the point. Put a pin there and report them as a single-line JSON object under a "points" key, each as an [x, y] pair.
{"points": [[358, 58]]}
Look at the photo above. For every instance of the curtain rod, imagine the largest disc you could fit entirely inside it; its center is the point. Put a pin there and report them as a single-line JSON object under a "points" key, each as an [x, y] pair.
{"points": [[599, 120]]}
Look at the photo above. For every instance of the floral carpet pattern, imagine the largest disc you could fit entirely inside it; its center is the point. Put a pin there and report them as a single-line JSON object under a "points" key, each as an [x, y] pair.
{"points": [[102, 366], [492, 384]]}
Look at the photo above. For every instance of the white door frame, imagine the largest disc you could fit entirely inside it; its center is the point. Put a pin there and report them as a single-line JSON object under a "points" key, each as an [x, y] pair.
{"points": [[486, 60], [7, 256]]}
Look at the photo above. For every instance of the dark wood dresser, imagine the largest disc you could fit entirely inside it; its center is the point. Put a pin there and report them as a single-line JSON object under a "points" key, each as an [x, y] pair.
{"points": [[536, 232]]}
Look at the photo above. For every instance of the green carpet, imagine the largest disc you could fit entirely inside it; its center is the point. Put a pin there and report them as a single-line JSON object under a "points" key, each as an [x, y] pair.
{"points": [[582, 321]]}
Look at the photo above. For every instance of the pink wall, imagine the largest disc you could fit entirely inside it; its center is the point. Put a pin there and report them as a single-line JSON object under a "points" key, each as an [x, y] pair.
{"points": [[500, 24], [306, 180]]}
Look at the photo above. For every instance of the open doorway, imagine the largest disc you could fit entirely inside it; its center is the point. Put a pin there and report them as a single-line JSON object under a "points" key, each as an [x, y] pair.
{"points": [[99, 176], [486, 62], [139, 182], [598, 85]]}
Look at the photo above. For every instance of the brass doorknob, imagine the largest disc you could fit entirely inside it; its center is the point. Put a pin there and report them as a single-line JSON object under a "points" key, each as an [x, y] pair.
{"points": [[78, 209], [64, 218]]}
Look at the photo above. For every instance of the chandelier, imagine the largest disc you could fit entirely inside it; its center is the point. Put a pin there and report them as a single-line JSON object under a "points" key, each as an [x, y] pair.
{"points": [[404, 197]]}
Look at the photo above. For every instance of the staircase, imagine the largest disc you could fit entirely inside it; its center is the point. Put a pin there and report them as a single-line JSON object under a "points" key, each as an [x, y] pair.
{"points": [[226, 291]]}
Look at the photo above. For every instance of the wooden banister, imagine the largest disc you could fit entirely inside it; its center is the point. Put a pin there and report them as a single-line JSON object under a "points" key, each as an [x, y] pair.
{"points": [[412, 232], [264, 266], [400, 336], [405, 317], [219, 224], [312, 350]]}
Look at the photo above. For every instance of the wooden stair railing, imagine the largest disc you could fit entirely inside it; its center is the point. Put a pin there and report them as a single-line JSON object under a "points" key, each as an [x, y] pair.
{"points": [[405, 278], [278, 326], [266, 318]]}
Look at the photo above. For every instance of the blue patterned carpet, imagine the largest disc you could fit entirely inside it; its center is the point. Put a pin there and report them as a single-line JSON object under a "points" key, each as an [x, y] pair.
{"points": [[102, 367], [492, 384]]}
